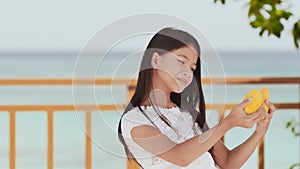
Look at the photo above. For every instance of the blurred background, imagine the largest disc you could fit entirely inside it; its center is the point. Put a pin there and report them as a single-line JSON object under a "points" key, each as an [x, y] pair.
{"points": [[40, 40]]}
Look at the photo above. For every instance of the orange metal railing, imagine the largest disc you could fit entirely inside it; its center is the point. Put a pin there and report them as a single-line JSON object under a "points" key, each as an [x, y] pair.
{"points": [[50, 109]]}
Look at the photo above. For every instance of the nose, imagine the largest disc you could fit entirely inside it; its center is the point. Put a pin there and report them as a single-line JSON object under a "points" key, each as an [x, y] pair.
{"points": [[186, 74]]}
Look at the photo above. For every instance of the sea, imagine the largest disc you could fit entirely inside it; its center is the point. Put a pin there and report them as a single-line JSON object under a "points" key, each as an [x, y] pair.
{"points": [[281, 146]]}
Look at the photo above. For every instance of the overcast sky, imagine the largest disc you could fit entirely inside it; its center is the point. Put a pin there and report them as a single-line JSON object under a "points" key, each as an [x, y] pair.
{"points": [[60, 25]]}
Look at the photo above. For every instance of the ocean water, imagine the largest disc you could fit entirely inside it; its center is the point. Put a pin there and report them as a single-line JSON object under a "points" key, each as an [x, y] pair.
{"points": [[281, 147]]}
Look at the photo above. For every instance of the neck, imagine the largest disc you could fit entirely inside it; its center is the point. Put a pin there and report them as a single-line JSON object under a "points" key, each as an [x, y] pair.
{"points": [[159, 94]]}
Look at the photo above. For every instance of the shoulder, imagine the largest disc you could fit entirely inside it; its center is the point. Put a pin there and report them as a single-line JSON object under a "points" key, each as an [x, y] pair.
{"points": [[132, 119], [135, 116]]}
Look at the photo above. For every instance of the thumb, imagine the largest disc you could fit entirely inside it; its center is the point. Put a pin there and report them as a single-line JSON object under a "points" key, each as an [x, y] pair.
{"points": [[246, 102]]}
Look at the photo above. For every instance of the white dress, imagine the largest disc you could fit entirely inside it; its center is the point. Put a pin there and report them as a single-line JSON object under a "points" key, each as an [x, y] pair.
{"points": [[180, 120]]}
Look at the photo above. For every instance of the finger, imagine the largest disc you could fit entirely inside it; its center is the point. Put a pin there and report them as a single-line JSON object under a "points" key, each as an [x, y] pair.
{"points": [[245, 102], [265, 116], [271, 106], [262, 120]]}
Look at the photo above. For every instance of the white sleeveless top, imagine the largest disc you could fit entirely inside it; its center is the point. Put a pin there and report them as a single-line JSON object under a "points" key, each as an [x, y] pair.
{"points": [[183, 124]]}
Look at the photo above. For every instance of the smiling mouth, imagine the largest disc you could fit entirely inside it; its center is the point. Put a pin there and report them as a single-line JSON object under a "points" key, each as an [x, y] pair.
{"points": [[184, 81]]}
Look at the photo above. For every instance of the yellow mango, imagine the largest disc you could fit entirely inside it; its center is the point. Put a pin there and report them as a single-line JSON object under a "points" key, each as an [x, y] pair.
{"points": [[266, 96], [257, 101]]}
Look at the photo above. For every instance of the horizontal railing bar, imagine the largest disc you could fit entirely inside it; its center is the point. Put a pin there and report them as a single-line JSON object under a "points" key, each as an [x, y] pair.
{"points": [[111, 107], [126, 81], [60, 107], [102, 81], [253, 80], [277, 105]]}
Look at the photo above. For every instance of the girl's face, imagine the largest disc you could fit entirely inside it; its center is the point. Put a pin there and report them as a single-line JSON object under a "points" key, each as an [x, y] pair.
{"points": [[175, 69]]}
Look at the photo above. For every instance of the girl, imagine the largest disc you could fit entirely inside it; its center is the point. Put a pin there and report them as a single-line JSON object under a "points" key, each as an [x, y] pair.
{"points": [[164, 125]]}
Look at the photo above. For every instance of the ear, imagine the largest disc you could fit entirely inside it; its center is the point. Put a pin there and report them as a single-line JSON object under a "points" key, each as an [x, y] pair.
{"points": [[155, 60]]}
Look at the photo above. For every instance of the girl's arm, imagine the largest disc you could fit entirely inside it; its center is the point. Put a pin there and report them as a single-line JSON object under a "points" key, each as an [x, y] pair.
{"points": [[183, 154], [236, 157]]}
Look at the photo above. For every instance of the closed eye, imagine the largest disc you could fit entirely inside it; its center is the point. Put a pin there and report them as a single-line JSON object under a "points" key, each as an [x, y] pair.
{"points": [[180, 61]]}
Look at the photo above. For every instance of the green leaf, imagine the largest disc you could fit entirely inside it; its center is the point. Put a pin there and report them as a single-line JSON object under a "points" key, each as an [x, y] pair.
{"points": [[295, 40], [286, 14], [271, 22], [295, 165], [296, 33], [276, 28], [261, 32], [257, 23], [255, 7], [288, 124], [222, 1]]}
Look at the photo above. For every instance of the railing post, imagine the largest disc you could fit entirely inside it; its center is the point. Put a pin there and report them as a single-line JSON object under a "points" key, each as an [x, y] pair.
{"points": [[299, 113], [261, 154], [299, 94], [50, 139], [12, 139], [88, 136], [130, 91]]}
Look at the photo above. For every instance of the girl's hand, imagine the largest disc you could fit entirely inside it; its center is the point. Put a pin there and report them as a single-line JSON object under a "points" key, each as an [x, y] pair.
{"points": [[238, 117], [264, 122]]}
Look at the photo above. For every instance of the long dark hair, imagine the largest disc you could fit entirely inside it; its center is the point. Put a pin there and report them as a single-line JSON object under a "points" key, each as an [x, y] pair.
{"points": [[190, 99]]}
